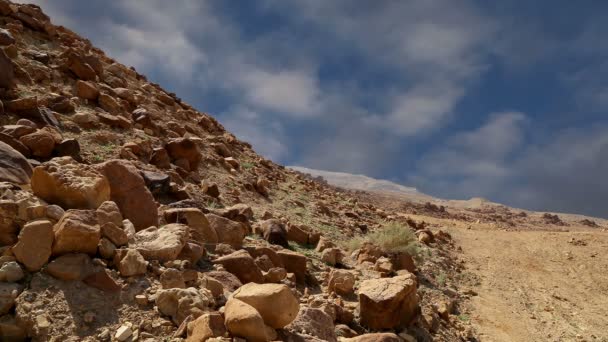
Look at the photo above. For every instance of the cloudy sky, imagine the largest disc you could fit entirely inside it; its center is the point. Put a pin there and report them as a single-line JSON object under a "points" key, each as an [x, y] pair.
{"points": [[505, 100]]}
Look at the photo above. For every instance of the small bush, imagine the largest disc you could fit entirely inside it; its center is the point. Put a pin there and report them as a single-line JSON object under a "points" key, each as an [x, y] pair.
{"points": [[392, 238]]}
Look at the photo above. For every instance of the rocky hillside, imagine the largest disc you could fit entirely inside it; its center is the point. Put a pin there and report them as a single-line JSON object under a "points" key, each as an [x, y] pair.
{"points": [[128, 215]]}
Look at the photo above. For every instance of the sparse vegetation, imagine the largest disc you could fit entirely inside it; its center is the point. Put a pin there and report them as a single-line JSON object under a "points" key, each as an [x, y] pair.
{"points": [[392, 238], [247, 165]]}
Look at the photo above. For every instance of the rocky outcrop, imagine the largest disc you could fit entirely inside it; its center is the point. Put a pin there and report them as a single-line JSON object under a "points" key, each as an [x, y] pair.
{"points": [[163, 244], [277, 305], [387, 303], [71, 185], [228, 231]]}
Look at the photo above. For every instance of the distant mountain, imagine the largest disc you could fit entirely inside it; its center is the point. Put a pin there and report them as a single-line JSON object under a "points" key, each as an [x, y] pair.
{"points": [[357, 182]]}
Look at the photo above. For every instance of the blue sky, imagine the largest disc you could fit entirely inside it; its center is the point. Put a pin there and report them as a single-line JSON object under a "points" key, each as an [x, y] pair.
{"points": [[505, 100]]}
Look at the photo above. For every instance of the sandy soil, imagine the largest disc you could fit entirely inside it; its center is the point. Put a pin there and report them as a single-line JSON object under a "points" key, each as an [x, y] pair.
{"points": [[536, 285]]}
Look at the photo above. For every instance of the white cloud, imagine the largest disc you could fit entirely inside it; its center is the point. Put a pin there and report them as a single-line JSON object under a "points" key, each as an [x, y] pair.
{"points": [[289, 92]]}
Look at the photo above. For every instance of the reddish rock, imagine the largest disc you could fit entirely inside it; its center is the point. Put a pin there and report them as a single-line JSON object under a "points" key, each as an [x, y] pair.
{"points": [[128, 190]]}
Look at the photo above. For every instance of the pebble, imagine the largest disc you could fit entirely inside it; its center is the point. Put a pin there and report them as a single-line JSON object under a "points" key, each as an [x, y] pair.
{"points": [[123, 333]]}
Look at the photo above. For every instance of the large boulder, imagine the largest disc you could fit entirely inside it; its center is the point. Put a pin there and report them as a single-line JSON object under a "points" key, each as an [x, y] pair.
{"points": [[294, 263], [14, 167], [186, 149], [77, 232], [35, 244], [71, 185], [207, 326], [316, 323], [275, 302], [228, 231], [297, 234], [243, 320], [129, 191], [200, 229], [387, 303], [242, 265], [181, 303], [41, 143], [341, 282], [164, 243]]}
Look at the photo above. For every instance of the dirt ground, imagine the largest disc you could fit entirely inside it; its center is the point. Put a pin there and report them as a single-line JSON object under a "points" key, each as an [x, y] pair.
{"points": [[536, 285]]}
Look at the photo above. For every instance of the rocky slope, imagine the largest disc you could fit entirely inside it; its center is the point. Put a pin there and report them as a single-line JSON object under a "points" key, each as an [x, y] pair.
{"points": [[127, 215]]}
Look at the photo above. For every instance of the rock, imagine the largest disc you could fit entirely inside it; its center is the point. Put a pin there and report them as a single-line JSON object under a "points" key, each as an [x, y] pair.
{"points": [[115, 234], [77, 232], [14, 167], [184, 148], [16, 144], [6, 38], [314, 322], [210, 189], [160, 158], [384, 266], [68, 148], [403, 261], [181, 303], [54, 212], [200, 229], [70, 267], [41, 143], [102, 280], [35, 244], [163, 244], [109, 104], [130, 193], [106, 249], [228, 281], [343, 330], [79, 66], [275, 275], [86, 120], [172, 278], [10, 330], [8, 293], [341, 282], [192, 252], [261, 185], [294, 263], [242, 320], [242, 265], [86, 90], [222, 150], [18, 130], [332, 256], [9, 222], [108, 212], [130, 262], [297, 234], [11, 272], [274, 232], [7, 71], [207, 326], [375, 337], [158, 183], [228, 231], [387, 303], [123, 333], [275, 302], [71, 185]]}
